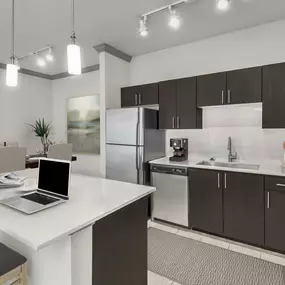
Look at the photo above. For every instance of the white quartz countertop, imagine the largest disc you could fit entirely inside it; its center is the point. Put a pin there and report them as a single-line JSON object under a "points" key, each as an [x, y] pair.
{"points": [[265, 167], [91, 199]]}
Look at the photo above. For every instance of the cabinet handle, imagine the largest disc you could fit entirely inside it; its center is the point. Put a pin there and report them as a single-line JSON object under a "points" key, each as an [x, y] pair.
{"points": [[268, 200], [219, 186], [280, 185], [178, 122], [225, 180], [229, 96], [223, 97], [140, 99], [173, 122], [136, 99]]}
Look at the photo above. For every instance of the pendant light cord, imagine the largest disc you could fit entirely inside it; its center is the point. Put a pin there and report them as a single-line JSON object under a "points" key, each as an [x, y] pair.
{"points": [[13, 32], [72, 21]]}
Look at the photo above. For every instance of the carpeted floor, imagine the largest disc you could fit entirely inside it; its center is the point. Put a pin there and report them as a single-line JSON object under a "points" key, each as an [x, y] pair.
{"points": [[191, 262]]}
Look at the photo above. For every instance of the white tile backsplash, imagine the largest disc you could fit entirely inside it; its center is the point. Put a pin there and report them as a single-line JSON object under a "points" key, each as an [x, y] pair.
{"points": [[243, 123]]}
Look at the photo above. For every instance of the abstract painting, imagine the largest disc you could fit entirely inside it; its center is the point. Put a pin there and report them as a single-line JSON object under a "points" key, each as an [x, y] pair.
{"points": [[83, 124]]}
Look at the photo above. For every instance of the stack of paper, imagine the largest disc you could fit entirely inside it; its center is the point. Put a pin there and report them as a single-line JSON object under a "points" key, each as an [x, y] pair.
{"points": [[10, 180]]}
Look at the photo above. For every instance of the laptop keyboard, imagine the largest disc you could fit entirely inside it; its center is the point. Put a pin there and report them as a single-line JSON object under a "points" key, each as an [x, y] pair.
{"points": [[41, 199]]}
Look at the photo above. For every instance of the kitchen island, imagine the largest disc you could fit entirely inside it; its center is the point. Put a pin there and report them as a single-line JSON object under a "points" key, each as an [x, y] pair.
{"points": [[98, 237]]}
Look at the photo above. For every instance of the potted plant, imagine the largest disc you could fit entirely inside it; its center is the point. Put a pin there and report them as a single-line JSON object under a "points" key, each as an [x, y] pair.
{"points": [[42, 130]]}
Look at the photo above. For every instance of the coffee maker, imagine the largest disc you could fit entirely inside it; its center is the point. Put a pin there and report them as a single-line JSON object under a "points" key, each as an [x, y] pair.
{"points": [[180, 149]]}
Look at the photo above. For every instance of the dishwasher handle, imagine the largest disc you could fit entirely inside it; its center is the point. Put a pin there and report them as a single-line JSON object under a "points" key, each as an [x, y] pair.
{"points": [[181, 171]]}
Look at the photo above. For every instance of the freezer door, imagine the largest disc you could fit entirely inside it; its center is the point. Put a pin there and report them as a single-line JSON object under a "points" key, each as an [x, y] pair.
{"points": [[124, 126], [124, 163]]}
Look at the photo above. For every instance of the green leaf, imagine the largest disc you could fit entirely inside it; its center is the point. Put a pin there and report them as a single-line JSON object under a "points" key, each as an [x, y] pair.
{"points": [[41, 129]]}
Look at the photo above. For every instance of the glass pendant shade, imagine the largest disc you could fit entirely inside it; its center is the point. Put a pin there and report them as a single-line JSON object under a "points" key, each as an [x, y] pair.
{"points": [[12, 75], [74, 59]]}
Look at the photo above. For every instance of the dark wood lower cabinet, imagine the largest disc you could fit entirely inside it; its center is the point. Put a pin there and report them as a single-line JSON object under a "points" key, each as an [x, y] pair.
{"points": [[274, 220], [206, 201], [244, 207], [120, 247]]}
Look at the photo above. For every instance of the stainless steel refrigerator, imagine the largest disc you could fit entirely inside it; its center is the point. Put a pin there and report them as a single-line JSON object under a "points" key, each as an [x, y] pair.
{"points": [[133, 139]]}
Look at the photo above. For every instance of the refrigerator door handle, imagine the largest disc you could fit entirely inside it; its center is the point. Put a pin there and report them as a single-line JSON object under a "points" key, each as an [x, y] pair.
{"points": [[137, 158], [137, 133], [138, 127]]}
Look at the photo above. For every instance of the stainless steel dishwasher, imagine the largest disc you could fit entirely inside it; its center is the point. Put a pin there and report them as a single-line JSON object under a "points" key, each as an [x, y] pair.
{"points": [[170, 201]]}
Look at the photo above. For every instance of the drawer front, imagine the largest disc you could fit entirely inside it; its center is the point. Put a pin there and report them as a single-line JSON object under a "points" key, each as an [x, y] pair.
{"points": [[275, 183]]}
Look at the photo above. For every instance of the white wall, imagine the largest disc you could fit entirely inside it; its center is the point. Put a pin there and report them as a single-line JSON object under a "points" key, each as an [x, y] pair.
{"points": [[256, 46], [260, 45], [62, 89], [21, 106]]}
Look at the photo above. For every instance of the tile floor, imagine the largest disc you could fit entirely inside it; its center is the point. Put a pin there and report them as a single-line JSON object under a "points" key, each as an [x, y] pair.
{"points": [[154, 279]]}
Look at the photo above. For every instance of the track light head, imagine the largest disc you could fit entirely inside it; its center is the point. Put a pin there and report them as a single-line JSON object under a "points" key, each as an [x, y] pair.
{"points": [[40, 61], [143, 31], [223, 5], [174, 19], [49, 55]]}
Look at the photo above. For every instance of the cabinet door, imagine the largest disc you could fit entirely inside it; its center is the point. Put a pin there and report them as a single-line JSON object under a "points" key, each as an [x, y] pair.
{"points": [[244, 207], [149, 94], [206, 201], [211, 89], [244, 86], [273, 96], [129, 96], [167, 104], [274, 220], [188, 115]]}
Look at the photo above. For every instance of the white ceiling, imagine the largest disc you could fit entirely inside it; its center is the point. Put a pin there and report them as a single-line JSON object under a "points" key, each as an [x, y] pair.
{"points": [[40, 23]]}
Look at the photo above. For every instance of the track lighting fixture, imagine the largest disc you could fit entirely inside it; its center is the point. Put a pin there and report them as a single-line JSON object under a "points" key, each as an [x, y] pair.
{"points": [[174, 20], [223, 4], [73, 50], [143, 31]]}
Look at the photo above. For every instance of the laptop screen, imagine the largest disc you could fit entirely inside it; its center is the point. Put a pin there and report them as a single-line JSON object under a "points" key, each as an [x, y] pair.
{"points": [[54, 176]]}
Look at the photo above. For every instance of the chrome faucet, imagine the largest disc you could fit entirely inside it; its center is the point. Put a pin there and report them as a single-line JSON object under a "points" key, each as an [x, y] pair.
{"points": [[231, 156]]}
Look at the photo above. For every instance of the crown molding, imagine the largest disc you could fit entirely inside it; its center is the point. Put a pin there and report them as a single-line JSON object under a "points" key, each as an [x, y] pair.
{"points": [[30, 72], [54, 76], [84, 70], [113, 51]]}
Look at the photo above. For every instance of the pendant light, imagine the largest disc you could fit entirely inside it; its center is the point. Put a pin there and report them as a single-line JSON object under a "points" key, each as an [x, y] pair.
{"points": [[12, 68], [73, 50]]}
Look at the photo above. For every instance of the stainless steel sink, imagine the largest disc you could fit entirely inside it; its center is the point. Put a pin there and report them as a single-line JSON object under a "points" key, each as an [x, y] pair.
{"points": [[229, 165]]}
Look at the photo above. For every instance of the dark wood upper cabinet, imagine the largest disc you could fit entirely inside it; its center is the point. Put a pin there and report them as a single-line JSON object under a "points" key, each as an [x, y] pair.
{"points": [[206, 200], [211, 89], [273, 116], [244, 207], [178, 104], [149, 94], [274, 219], [139, 95], [129, 96], [167, 104], [244, 86], [233, 87], [188, 115]]}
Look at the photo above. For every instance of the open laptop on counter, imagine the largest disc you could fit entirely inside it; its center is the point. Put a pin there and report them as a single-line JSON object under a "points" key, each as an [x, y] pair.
{"points": [[53, 188]]}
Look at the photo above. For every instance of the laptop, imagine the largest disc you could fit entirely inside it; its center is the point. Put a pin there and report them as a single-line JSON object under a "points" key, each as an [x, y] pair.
{"points": [[53, 188]]}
